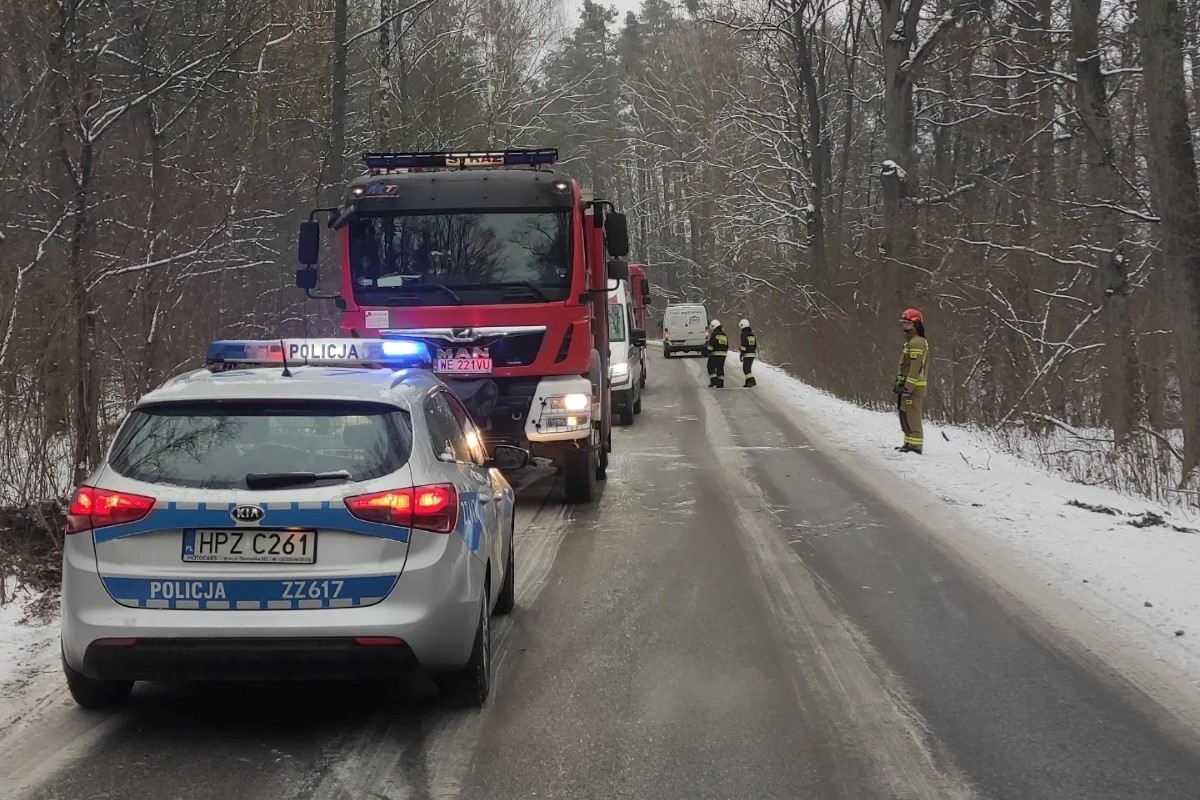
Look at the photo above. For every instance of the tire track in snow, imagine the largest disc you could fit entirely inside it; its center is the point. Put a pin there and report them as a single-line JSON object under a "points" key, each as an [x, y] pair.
{"points": [[853, 684], [370, 764]]}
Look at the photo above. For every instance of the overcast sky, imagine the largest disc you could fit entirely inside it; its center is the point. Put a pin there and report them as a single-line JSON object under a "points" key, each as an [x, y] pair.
{"points": [[622, 6]]}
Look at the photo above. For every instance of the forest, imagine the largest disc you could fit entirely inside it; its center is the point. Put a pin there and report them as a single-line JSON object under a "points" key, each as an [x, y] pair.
{"points": [[1023, 171]]}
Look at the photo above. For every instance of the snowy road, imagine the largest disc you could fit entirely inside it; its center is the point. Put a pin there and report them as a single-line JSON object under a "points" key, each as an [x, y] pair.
{"points": [[739, 617]]}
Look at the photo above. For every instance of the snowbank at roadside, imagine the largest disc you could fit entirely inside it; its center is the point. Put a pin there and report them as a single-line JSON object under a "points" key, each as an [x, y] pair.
{"points": [[28, 649], [1135, 565]]}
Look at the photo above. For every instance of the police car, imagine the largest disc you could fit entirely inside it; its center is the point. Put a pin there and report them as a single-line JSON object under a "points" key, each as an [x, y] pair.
{"points": [[297, 510]]}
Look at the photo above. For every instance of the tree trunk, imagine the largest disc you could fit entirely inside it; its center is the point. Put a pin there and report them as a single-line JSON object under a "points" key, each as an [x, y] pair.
{"points": [[383, 129], [1173, 189], [336, 160], [1122, 400], [818, 141]]}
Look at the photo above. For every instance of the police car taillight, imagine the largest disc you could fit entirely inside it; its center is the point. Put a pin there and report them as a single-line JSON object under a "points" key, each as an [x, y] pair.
{"points": [[430, 508], [100, 508]]}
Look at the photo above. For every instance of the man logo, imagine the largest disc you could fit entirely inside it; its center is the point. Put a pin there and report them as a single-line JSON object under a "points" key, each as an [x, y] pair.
{"points": [[462, 334], [247, 514]]}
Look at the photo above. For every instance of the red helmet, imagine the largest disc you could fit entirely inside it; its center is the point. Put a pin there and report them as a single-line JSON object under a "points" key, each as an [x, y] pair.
{"points": [[912, 315]]}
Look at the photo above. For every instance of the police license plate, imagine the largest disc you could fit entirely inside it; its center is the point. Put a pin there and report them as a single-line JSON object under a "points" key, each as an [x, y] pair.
{"points": [[465, 366], [250, 546]]}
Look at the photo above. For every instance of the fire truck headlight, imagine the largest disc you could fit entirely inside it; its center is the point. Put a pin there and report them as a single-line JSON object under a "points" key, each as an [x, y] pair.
{"points": [[577, 402]]}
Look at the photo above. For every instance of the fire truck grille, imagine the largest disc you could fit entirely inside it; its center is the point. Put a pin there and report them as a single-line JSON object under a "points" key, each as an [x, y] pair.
{"points": [[515, 350]]}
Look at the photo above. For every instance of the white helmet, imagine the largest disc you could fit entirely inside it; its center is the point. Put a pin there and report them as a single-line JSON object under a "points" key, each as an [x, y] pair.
{"points": [[716, 323], [744, 323]]}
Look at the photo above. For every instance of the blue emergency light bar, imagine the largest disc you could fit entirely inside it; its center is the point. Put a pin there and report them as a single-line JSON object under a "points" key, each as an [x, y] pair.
{"points": [[382, 162], [367, 353]]}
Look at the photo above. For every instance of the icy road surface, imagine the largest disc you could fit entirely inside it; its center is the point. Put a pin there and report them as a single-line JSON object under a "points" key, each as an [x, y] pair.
{"points": [[740, 616]]}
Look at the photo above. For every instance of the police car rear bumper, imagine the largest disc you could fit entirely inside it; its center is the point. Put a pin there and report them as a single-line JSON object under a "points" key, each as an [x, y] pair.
{"points": [[433, 609], [249, 659]]}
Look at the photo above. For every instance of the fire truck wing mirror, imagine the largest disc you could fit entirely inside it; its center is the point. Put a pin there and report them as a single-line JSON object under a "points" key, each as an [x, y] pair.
{"points": [[616, 235], [618, 269], [647, 298], [306, 278], [638, 337], [309, 250]]}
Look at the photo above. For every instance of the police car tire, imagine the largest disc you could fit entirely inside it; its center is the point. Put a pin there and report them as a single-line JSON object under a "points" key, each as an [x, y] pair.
{"points": [[471, 685], [95, 694], [507, 600]]}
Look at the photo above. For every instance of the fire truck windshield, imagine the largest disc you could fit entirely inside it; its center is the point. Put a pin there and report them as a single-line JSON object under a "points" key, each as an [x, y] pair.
{"points": [[519, 256]]}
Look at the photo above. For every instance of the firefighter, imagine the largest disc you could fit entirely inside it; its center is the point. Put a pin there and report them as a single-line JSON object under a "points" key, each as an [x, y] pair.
{"points": [[717, 348], [912, 381], [747, 351]]}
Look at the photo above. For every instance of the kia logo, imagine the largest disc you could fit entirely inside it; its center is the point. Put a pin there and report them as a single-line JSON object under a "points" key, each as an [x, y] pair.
{"points": [[247, 514]]}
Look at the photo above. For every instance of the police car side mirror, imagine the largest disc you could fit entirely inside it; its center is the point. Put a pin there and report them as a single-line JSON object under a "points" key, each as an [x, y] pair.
{"points": [[308, 251], [638, 337], [306, 278], [507, 458]]}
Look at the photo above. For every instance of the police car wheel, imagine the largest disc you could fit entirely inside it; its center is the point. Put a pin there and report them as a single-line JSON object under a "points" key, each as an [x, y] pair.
{"points": [[96, 694], [508, 591], [471, 685], [637, 405]]}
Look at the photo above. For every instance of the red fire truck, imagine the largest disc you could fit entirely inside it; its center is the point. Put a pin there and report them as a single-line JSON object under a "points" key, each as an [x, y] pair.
{"points": [[640, 288], [501, 265]]}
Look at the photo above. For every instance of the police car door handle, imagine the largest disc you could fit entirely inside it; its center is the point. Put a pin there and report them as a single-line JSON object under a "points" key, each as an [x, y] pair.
{"points": [[483, 498]]}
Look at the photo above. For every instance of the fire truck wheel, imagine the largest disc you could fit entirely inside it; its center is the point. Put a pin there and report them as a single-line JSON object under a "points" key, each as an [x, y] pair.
{"points": [[579, 476]]}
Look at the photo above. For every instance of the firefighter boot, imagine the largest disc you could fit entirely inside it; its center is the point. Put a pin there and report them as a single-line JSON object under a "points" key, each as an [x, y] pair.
{"points": [[750, 381]]}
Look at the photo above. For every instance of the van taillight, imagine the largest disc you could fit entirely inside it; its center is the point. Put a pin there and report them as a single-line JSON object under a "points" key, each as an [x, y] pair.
{"points": [[430, 508], [100, 508]]}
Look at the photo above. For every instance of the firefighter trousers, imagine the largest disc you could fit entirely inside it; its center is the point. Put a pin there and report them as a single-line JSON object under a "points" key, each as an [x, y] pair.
{"points": [[716, 370], [747, 367], [910, 409]]}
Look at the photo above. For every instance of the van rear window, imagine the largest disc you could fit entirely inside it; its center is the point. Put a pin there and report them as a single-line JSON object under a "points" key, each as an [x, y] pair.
{"points": [[215, 445]]}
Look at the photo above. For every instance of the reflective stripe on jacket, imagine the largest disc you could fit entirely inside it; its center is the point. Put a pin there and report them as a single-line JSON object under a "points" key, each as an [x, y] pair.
{"points": [[914, 361], [749, 343], [718, 343]]}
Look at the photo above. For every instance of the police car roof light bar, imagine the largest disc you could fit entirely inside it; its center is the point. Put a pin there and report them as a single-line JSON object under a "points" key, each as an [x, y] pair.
{"points": [[382, 162], [365, 353]]}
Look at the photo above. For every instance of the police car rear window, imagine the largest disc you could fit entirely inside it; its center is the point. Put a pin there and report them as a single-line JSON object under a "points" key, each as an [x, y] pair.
{"points": [[216, 445]]}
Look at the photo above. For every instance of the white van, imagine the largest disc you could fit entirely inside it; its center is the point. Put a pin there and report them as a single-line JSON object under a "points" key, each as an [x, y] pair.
{"points": [[625, 363], [685, 327]]}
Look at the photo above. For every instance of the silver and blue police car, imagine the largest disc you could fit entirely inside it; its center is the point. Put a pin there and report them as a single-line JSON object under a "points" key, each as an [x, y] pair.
{"points": [[297, 510]]}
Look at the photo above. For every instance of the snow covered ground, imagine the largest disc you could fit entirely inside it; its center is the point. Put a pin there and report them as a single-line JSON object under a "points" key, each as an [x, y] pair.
{"points": [[1133, 565], [28, 650]]}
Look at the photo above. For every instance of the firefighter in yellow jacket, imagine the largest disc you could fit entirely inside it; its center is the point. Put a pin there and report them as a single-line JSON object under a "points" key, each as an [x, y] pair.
{"points": [[912, 381]]}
